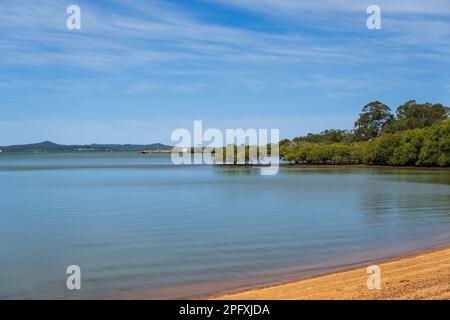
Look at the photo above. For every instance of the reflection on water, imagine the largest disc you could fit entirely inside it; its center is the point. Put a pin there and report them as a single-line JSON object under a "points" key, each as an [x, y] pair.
{"points": [[138, 224]]}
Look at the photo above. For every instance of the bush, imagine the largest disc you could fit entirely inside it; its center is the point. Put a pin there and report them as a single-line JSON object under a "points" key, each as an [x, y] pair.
{"points": [[436, 146]]}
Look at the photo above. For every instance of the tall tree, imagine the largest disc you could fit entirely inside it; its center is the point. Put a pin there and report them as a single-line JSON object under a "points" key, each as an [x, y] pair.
{"points": [[374, 117], [412, 115]]}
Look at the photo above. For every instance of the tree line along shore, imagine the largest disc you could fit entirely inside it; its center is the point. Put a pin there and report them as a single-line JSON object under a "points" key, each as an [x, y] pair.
{"points": [[417, 135]]}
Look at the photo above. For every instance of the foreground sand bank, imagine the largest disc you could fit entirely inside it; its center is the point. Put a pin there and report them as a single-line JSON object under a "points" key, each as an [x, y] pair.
{"points": [[421, 276]]}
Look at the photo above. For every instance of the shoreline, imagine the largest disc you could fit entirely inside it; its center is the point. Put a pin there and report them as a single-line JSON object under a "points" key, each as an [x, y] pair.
{"points": [[421, 275], [233, 288], [329, 166]]}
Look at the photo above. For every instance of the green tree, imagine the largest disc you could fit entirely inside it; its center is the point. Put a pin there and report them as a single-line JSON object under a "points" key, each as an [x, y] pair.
{"points": [[374, 117], [412, 115], [436, 145], [380, 150], [407, 152]]}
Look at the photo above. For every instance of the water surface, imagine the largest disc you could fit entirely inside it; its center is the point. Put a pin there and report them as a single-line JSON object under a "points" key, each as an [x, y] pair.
{"points": [[139, 226]]}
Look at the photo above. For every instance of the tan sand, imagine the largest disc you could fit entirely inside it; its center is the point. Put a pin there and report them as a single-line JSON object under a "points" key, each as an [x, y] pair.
{"points": [[421, 276]]}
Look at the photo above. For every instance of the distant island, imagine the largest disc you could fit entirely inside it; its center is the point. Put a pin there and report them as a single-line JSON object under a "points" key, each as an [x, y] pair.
{"points": [[50, 146]]}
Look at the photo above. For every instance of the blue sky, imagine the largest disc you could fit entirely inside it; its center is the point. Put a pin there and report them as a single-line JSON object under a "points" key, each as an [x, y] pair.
{"points": [[139, 69]]}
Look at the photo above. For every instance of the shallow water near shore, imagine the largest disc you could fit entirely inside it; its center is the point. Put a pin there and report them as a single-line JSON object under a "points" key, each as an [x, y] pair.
{"points": [[139, 226]]}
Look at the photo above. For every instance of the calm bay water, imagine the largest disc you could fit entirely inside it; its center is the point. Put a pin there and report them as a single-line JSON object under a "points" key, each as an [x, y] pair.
{"points": [[141, 227]]}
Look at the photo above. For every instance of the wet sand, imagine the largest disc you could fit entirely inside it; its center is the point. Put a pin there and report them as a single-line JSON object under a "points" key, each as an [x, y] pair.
{"points": [[424, 275]]}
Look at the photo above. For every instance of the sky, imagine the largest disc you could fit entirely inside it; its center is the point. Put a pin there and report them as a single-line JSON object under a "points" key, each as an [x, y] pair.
{"points": [[139, 69]]}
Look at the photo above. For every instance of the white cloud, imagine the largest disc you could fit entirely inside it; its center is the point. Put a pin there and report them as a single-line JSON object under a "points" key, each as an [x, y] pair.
{"points": [[292, 7], [35, 34]]}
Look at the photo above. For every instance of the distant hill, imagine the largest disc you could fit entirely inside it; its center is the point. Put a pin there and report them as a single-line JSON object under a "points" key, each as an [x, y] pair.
{"points": [[51, 146]]}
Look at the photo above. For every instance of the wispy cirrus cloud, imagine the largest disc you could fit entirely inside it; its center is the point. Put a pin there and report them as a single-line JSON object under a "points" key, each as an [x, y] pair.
{"points": [[291, 7], [216, 58], [162, 33]]}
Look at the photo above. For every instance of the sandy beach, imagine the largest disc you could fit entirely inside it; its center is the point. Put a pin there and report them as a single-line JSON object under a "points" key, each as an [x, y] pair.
{"points": [[421, 276]]}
